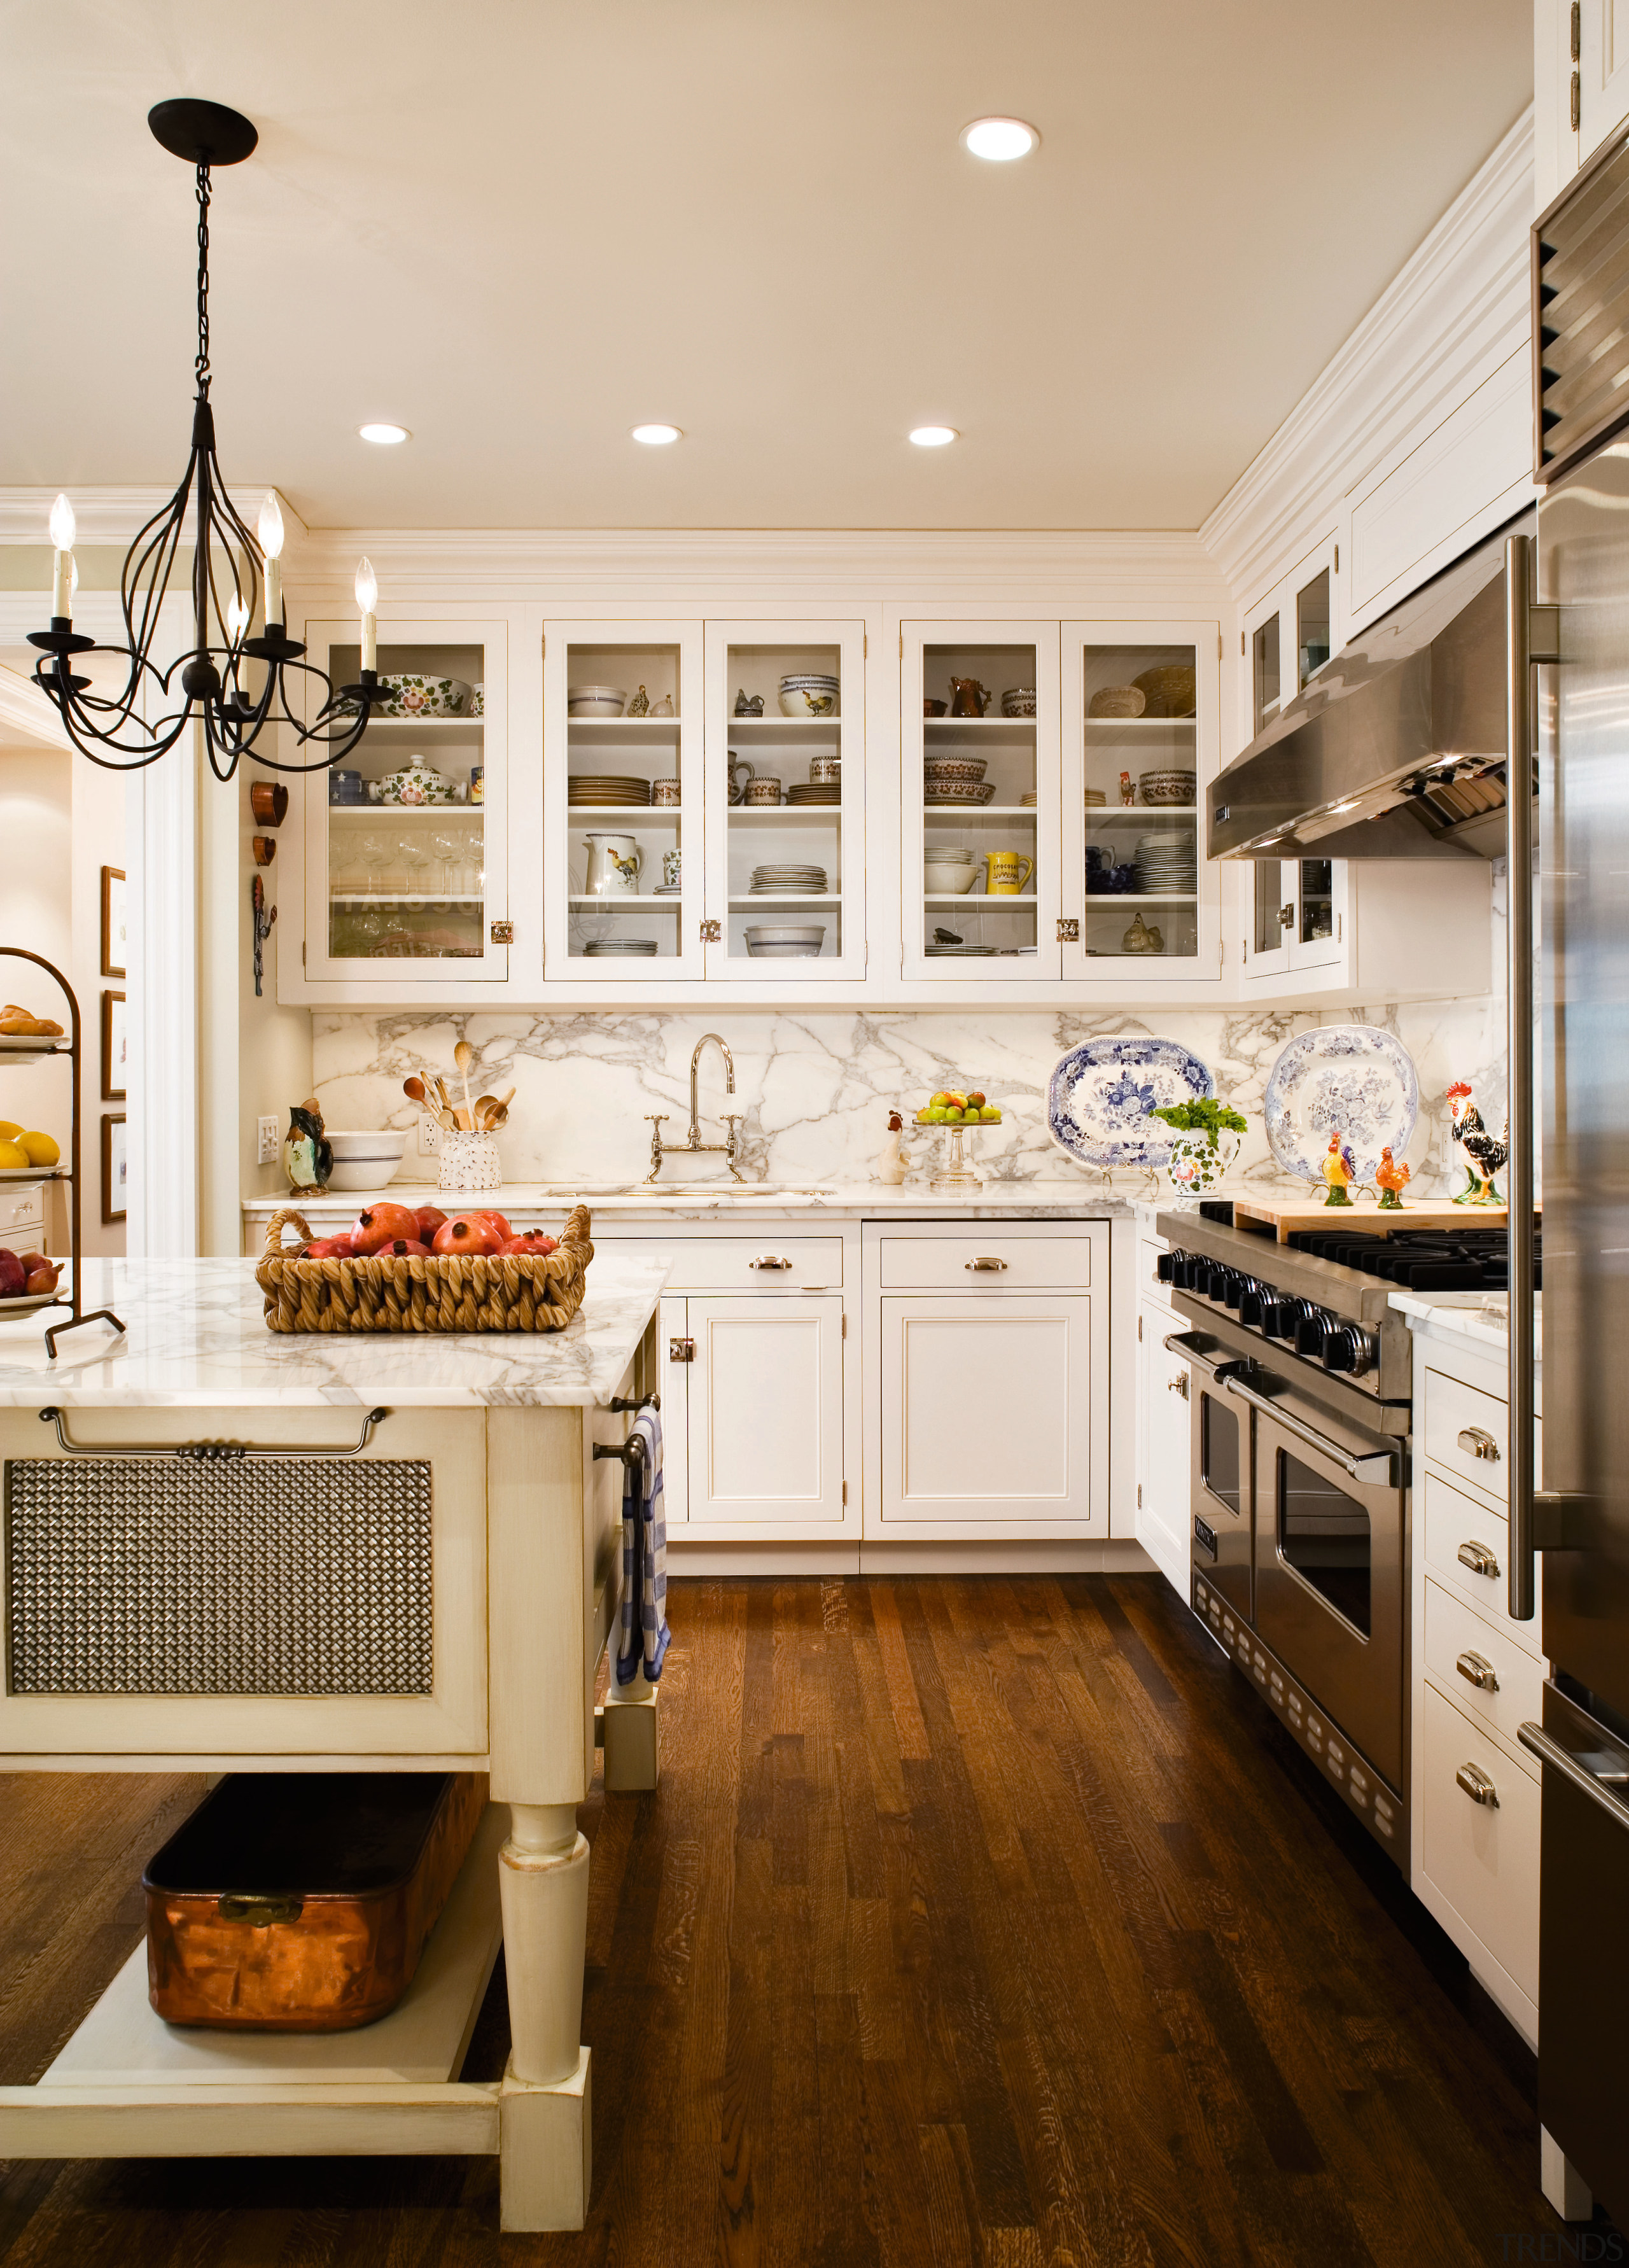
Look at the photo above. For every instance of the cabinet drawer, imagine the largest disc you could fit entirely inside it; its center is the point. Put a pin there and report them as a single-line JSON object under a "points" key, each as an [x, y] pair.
{"points": [[1011, 1264], [1453, 1522], [22, 1212], [1461, 1421], [729, 1263], [1483, 1857], [1453, 1635], [1149, 1252]]}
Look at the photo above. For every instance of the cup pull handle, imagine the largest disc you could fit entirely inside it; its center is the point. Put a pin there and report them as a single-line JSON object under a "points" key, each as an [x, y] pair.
{"points": [[1478, 1671], [1478, 1786], [1477, 1443], [1478, 1557], [986, 1267], [769, 1260]]}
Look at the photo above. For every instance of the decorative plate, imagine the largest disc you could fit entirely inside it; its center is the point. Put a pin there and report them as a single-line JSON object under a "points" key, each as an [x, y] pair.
{"points": [[1350, 1078], [1099, 1094]]}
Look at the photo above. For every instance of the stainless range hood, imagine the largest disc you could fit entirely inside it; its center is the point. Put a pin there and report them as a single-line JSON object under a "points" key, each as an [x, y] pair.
{"points": [[1396, 747]]}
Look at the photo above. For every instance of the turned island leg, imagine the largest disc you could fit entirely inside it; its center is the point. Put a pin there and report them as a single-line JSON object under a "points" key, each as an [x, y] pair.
{"points": [[544, 2110]]}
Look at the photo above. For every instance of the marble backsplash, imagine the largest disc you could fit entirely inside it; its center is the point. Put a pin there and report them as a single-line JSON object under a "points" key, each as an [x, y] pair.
{"points": [[814, 1087]]}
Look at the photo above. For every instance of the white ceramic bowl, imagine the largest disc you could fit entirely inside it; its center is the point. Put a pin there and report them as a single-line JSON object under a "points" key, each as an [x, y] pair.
{"points": [[595, 700], [366, 1160], [811, 701], [780, 933]]}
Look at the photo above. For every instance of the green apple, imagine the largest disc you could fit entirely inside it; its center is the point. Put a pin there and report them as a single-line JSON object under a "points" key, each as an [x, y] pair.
{"points": [[991, 1116], [937, 1115], [953, 1114], [938, 1102], [925, 1116]]}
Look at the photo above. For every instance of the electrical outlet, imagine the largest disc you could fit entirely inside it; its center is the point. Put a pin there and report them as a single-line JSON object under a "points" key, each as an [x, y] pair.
{"points": [[428, 1136], [270, 1141]]}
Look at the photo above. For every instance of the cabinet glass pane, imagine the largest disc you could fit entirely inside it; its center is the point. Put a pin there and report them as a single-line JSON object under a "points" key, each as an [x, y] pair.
{"points": [[1142, 822], [1264, 659], [1274, 908], [1317, 899], [980, 837], [1312, 626], [406, 841], [783, 818], [625, 849]]}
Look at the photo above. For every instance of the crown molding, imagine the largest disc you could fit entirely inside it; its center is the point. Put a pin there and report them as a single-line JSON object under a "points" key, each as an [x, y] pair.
{"points": [[1457, 308], [109, 515]]}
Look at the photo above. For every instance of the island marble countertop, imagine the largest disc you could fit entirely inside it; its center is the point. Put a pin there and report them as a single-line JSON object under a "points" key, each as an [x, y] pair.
{"points": [[1482, 1317], [195, 1336], [1075, 1197]]}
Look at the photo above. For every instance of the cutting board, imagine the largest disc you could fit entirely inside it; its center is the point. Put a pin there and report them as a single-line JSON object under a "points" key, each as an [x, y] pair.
{"points": [[1362, 1218]]}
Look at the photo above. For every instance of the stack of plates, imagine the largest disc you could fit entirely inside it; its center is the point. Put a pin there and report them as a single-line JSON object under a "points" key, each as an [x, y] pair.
{"points": [[1165, 863], [607, 787], [1027, 800], [783, 943], [1094, 799], [636, 948], [788, 881], [812, 791]]}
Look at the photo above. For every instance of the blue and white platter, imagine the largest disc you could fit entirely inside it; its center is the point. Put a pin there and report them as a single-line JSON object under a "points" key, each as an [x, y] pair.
{"points": [[1099, 1094], [1353, 1079]]}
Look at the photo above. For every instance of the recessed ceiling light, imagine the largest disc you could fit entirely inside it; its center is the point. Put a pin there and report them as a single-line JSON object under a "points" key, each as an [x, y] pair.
{"points": [[385, 435], [999, 139], [933, 437], [656, 435]]}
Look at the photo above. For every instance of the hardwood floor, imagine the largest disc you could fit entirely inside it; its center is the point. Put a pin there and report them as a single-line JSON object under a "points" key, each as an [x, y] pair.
{"points": [[990, 1922]]}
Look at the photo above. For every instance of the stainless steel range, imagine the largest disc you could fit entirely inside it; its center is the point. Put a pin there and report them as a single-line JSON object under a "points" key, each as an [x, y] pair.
{"points": [[1300, 1382]]}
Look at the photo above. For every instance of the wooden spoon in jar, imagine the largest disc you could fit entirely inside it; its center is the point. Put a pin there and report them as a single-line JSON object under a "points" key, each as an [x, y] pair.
{"points": [[463, 1056]]}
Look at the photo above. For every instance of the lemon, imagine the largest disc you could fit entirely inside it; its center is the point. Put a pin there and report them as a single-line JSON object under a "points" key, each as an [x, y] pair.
{"points": [[39, 1149], [12, 1154], [8, 1130]]}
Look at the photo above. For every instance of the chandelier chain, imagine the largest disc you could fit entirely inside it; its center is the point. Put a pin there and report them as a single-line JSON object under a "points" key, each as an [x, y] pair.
{"points": [[200, 361]]}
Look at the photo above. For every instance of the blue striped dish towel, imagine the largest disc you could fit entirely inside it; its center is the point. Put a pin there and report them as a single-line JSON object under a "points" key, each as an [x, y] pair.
{"points": [[643, 1631]]}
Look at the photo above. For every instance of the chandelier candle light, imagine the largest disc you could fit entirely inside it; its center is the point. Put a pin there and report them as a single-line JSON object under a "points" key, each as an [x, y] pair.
{"points": [[215, 688]]}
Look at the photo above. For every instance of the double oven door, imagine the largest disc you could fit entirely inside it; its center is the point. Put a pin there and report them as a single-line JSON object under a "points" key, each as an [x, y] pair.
{"points": [[1301, 1525]]}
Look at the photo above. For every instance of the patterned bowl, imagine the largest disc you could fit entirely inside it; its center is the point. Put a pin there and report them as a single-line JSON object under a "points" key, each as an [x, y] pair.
{"points": [[1019, 701], [1118, 701], [1167, 786], [412, 694], [954, 771], [1171, 690]]}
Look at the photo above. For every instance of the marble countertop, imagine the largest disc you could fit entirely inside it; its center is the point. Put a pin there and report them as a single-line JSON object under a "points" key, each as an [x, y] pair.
{"points": [[1482, 1317], [195, 1337]]}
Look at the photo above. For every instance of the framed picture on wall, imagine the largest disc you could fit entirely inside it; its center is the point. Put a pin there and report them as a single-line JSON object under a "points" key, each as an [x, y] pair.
{"points": [[114, 1169], [114, 961], [114, 1047]]}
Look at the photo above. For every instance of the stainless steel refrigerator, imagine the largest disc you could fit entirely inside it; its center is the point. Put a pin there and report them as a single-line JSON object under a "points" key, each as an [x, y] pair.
{"points": [[1580, 1521]]}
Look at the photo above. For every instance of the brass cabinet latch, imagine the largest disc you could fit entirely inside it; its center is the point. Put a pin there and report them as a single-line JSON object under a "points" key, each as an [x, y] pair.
{"points": [[681, 1350], [502, 932], [1069, 931], [711, 932]]}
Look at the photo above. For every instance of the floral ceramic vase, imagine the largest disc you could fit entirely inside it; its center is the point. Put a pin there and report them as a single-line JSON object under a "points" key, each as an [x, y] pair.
{"points": [[1200, 1160]]}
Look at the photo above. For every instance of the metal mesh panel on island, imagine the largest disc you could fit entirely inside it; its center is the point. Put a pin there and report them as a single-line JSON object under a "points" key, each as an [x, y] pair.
{"points": [[273, 1575]]}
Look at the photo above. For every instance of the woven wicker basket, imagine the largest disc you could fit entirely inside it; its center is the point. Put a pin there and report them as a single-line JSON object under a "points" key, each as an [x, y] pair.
{"points": [[510, 1291]]}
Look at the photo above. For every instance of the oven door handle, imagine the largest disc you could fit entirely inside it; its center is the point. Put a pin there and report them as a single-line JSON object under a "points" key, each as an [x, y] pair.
{"points": [[1376, 1470], [1192, 1346], [1548, 1751]]}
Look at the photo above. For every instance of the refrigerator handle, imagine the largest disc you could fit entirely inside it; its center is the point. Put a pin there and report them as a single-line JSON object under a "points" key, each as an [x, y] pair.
{"points": [[1532, 636]]}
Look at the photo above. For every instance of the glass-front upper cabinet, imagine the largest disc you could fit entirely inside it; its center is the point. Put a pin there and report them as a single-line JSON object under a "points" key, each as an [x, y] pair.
{"points": [[786, 792], [1141, 710], [622, 833], [1295, 919], [1288, 637], [404, 841], [980, 831]]}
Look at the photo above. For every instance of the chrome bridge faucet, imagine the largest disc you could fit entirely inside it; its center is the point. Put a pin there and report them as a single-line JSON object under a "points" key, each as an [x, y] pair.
{"points": [[695, 1145]]}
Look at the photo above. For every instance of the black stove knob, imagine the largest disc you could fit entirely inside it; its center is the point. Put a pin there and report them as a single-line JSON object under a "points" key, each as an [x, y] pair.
{"points": [[1234, 1288], [1165, 1267], [1253, 1298], [1278, 1319], [1314, 1330], [1350, 1348]]}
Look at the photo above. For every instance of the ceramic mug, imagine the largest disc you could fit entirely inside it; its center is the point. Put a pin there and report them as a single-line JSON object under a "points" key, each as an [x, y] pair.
{"points": [[614, 865], [673, 869], [664, 792], [825, 771], [762, 791], [1003, 879], [739, 765]]}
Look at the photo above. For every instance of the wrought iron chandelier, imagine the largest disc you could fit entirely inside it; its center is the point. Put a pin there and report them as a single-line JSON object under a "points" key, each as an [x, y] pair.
{"points": [[210, 679]]}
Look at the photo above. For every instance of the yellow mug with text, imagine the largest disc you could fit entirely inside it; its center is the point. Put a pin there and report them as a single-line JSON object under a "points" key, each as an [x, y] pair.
{"points": [[1003, 878]]}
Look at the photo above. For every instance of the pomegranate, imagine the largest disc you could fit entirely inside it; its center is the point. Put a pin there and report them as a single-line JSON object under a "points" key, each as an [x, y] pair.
{"points": [[468, 1233], [534, 1242], [13, 1275], [430, 1219], [408, 1248], [380, 1225], [485, 1213], [329, 1247]]}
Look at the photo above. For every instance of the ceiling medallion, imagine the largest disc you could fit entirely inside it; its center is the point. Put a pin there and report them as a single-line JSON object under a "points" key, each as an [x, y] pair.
{"points": [[213, 680]]}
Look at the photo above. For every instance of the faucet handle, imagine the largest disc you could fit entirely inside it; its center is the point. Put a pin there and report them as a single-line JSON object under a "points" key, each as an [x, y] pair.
{"points": [[656, 1117]]}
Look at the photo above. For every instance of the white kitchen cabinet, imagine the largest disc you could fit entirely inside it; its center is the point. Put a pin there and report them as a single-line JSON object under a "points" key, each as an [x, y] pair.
{"points": [[1289, 633], [753, 1413], [1361, 930], [1164, 1463], [1601, 61]]}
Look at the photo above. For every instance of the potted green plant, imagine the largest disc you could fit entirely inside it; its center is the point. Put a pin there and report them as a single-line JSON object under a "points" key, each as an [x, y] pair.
{"points": [[1205, 1142]]}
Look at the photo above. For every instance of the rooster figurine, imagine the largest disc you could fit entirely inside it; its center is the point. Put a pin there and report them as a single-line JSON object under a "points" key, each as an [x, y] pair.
{"points": [[1484, 1156], [1392, 1179], [1340, 1170]]}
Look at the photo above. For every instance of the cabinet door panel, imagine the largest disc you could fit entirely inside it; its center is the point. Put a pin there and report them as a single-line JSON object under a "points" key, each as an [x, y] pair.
{"points": [[988, 1411], [766, 1409], [1163, 1471], [674, 1323]]}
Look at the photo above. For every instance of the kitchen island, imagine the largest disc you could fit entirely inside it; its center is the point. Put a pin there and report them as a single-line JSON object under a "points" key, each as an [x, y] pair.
{"points": [[231, 1550]]}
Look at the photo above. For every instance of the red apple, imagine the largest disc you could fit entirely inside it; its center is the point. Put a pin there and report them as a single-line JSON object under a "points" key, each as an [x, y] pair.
{"points": [[534, 1242], [13, 1275], [329, 1247], [380, 1225], [465, 1233], [408, 1248], [430, 1219]]}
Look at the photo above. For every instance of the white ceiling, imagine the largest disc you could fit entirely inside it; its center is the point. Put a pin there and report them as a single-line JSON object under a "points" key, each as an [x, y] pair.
{"points": [[521, 228]]}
